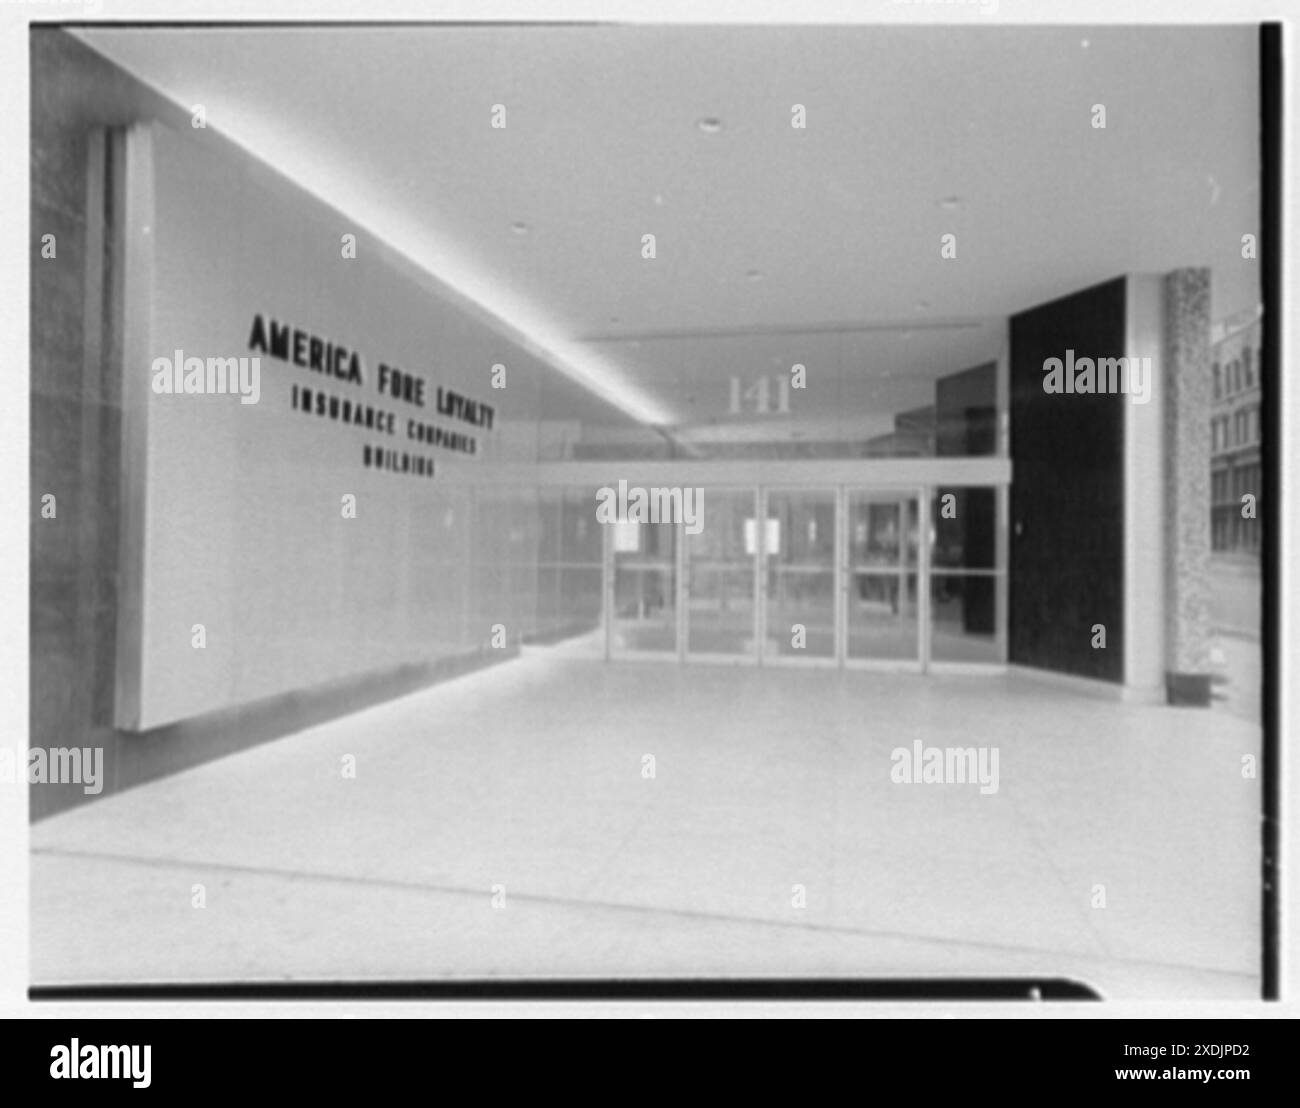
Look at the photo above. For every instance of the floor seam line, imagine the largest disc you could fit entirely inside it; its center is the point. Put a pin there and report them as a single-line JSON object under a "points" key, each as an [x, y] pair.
{"points": [[569, 902]]}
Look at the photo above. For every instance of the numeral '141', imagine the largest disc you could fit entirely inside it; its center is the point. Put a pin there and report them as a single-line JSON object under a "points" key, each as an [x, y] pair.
{"points": [[759, 395]]}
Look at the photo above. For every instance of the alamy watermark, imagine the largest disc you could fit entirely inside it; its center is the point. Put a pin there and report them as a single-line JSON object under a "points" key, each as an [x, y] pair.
{"points": [[56, 766], [640, 505], [87, 1061], [216, 376], [950, 765], [1101, 375]]}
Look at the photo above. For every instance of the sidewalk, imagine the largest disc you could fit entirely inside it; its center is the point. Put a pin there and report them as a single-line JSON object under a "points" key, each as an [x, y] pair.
{"points": [[1237, 660]]}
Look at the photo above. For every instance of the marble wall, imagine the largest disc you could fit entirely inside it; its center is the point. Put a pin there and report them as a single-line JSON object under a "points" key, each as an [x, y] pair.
{"points": [[1187, 382], [76, 413]]}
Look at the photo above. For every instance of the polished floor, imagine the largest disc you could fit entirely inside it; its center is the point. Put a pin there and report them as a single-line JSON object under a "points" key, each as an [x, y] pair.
{"points": [[505, 824]]}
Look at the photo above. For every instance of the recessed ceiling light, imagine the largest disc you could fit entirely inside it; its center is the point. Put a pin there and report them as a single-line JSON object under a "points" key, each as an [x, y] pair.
{"points": [[754, 275], [1085, 44], [710, 124], [921, 305], [614, 319], [519, 227], [950, 202]]}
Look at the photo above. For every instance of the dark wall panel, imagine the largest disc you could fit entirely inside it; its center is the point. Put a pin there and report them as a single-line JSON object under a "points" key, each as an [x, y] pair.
{"points": [[1067, 493], [966, 426]]}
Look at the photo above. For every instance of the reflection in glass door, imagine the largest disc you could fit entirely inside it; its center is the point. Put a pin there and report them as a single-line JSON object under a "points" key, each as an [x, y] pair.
{"points": [[720, 580], [799, 576], [883, 599], [644, 615]]}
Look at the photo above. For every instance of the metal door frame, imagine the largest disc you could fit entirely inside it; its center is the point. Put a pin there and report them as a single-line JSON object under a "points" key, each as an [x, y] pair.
{"points": [[836, 658], [920, 493], [923, 491]]}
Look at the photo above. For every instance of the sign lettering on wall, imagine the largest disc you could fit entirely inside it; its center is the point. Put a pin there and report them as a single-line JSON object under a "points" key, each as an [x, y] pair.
{"points": [[395, 392]]}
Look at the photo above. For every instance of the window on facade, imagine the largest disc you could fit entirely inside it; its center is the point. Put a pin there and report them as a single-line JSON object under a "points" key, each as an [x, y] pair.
{"points": [[1218, 384]]}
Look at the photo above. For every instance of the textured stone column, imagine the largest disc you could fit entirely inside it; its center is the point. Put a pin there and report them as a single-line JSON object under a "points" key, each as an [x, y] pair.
{"points": [[1187, 398]]}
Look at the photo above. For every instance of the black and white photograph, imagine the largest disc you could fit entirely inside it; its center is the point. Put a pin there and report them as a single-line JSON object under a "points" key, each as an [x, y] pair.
{"points": [[649, 510]]}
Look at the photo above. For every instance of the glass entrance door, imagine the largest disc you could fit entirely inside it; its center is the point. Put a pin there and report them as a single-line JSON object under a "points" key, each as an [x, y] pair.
{"points": [[644, 596], [721, 584], [882, 594], [831, 575], [800, 619]]}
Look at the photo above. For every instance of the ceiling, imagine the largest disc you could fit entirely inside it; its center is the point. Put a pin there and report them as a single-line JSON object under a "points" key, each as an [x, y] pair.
{"points": [[818, 245]]}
